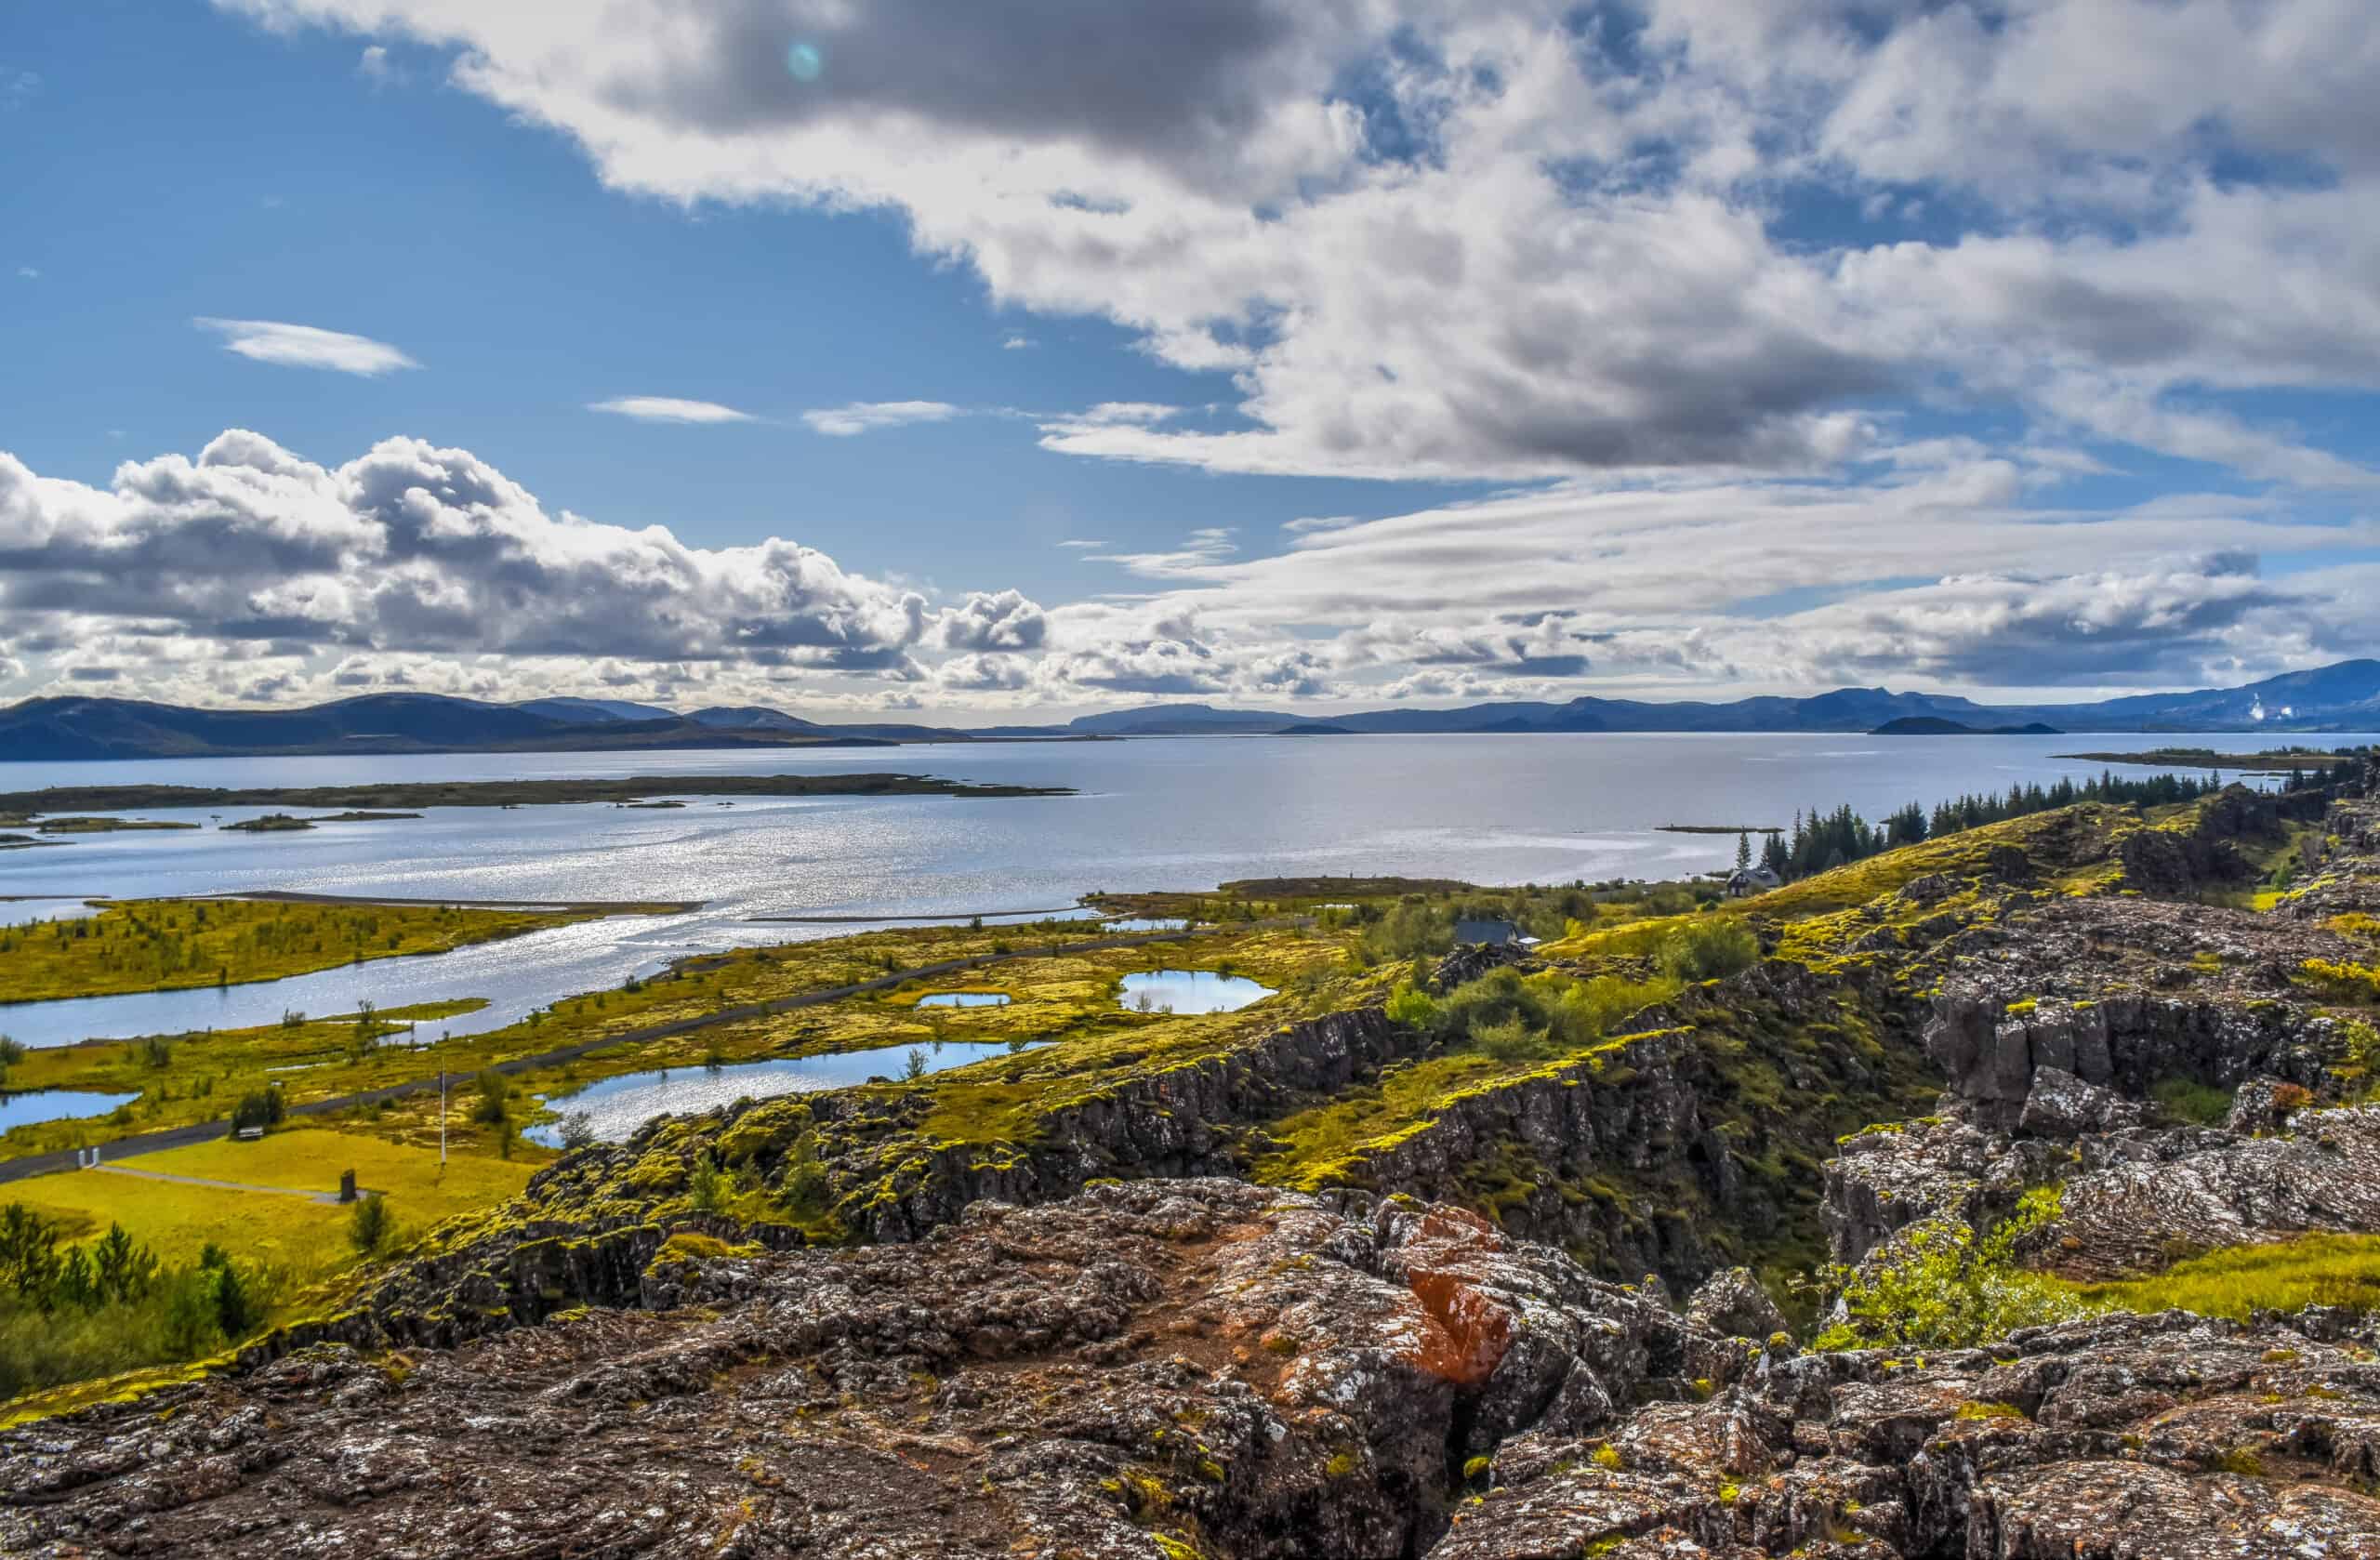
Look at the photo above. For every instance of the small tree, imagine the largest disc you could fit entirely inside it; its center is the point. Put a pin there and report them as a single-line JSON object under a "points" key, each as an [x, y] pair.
{"points": [[1743, 853], [367, 1226], [706, 1187], [577, 1129], [913, 1067], [494, 1106]]}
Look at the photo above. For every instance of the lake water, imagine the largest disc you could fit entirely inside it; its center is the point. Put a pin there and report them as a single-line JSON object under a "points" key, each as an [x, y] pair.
{"points": [[618, 1106], [1173, 812], [1191, 991], [55, 1104], [964, 1000]]}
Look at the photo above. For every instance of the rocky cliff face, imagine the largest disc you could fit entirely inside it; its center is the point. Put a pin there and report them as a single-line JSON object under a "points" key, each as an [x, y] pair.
{"points": [[1203, 1368], [2056, 1028]]}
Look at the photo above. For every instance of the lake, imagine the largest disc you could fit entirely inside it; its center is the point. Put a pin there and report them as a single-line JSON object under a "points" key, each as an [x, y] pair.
{"points": [[1164, 812]]}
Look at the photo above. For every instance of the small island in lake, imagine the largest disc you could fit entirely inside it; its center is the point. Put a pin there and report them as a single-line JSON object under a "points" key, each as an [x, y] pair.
{"points": [[1936, 725]]}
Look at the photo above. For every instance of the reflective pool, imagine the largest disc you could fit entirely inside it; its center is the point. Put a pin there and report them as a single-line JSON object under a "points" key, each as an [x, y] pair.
{"points": [[1190, 991], [964, 1000], [618, 1106]]}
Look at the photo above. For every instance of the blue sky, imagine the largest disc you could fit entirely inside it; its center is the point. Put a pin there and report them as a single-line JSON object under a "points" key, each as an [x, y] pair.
{"points": [[1423, 351], [176, 163]]}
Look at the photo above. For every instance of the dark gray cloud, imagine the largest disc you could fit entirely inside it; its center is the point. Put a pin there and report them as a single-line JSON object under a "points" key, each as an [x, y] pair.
{"points": [[1163, 81]]}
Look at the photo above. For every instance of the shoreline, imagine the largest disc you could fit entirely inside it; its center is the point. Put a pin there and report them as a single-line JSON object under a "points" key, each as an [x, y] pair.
{"points": [[407, 794]]}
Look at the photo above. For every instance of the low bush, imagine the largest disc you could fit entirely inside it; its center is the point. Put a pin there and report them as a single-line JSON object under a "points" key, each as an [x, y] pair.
{"points": [[1945, 1289], [1708, 950]]}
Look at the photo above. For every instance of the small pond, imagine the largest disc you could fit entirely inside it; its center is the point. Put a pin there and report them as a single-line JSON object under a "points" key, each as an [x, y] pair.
{"points": [[55, 1104], [1146, 923], [1190, 991], [618, 1106], [964, 1000]]}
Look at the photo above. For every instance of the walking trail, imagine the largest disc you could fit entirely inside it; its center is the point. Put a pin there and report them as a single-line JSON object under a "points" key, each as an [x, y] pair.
{"points": [[223, 1185]]}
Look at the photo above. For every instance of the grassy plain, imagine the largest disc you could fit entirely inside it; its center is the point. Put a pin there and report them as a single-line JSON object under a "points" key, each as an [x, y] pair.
{"points": [[169, 944]]}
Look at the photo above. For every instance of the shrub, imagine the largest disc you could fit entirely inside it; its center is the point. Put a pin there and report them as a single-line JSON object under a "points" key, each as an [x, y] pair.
{"points": [[1510, 1039], [577, 1129], [1409, 927], [1411, 1007], [1945, 1289], [1708, 950], [367, 1225], [493, 1107], [706, 1187], [263, 1108], [2341, 980]]}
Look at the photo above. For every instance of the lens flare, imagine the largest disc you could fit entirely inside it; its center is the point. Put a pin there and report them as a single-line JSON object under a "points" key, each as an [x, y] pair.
{"points": [[806, 63]]}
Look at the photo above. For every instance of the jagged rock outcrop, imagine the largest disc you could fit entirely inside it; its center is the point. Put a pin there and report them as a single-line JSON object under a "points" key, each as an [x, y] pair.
{"points": [[2124, 993], [1248, 1373], [1167, 1368], [1732, 1302], [2130, 1438]]}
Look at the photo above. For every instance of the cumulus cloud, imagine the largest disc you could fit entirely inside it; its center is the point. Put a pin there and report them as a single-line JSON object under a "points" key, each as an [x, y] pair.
{"points": [[415, 548], [867, 416], [305, 346], [665, 408], [1511, 240], [993, 623]]}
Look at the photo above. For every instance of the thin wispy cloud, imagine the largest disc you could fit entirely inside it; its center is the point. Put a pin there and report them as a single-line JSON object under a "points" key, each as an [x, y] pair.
{"points": [[29, 273], [867, 416], [669, 408], [1084, 543], [1017, 341], [291, 346]]}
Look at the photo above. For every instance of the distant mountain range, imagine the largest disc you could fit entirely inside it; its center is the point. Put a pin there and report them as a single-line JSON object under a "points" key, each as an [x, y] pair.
{"points": [[2341, 697]]}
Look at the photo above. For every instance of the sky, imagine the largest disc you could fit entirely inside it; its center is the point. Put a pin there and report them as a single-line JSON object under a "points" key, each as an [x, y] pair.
{"points": [[1016, 360]]}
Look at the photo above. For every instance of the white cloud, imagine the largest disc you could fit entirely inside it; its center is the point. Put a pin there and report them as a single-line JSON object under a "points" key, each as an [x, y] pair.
{"points": [[1016, 342], [375, 66], [664, 408], [412, 548], [989, 622], [305, 346], [1475, 239], [29, 273], [867, 416]]}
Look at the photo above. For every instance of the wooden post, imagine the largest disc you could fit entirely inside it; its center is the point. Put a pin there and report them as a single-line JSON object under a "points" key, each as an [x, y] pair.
{"points": [[347, 1185]]}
